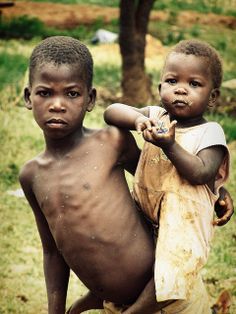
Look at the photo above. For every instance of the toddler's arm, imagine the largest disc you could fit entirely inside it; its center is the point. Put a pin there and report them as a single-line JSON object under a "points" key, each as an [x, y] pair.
{"points": [[127, 117], [197, 169]]}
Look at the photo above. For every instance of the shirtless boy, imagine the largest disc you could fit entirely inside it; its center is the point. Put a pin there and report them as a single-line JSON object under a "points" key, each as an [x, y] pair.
{"points": [[84, 212], [76, 187]]}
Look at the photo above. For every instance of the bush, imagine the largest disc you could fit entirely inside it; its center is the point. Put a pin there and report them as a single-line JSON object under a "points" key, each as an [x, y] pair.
{"points": [[26, 27], [21, 27]]}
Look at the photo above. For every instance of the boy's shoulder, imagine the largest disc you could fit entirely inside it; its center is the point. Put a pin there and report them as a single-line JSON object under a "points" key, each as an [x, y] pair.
{"points": [[29, 169]]}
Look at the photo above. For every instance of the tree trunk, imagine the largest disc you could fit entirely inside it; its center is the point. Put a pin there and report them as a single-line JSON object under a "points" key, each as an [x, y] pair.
{"points": [[134, 17]]}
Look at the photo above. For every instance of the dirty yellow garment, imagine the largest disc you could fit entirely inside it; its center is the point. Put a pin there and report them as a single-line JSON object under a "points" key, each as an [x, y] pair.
{"points": [[184, 212], [112, 308], [197, 303]]}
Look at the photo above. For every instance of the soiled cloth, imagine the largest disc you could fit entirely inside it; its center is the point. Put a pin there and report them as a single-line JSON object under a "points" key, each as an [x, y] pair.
{"points": [[183, 211], [197, 303], [112, 308]]}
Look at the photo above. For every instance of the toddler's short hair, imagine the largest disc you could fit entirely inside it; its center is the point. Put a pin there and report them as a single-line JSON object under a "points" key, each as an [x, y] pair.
{"points": [[202, 49], [62, 50]]}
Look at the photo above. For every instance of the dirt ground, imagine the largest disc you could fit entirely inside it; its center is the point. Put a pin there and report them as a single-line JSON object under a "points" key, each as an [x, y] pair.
{"points": [[69, 16]]}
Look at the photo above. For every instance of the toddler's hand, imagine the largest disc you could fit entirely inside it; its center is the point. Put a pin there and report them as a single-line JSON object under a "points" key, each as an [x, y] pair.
{"points": [[224, 208], [142, 123], [160, 135], [160, 128]]}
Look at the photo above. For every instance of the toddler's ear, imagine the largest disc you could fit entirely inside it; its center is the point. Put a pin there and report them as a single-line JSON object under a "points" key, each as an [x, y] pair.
{"points": [[27, 98], [215, 93], [92, 99]]}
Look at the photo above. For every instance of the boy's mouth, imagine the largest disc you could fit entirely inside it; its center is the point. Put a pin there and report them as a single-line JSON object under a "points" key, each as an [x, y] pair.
{"points": [[55, 122]]}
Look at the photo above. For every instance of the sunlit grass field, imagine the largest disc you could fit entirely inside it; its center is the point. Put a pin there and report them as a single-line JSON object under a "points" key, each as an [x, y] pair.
{"points": [[22, 287]]}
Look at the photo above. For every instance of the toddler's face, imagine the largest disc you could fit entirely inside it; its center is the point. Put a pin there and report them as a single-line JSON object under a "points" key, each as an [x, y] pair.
{"points": [[59, 98], [186, 86]]}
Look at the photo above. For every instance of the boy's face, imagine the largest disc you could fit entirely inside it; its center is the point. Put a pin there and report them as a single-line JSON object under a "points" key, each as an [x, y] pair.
{"points": [[59, 98], [186, 87]]}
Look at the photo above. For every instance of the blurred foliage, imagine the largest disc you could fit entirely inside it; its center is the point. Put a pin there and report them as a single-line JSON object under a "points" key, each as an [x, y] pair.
{"points": [[21, 27], [22, 286], [26, 27], [204, 6]]}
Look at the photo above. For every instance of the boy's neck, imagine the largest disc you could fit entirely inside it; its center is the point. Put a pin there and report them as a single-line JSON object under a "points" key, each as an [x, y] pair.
{"points": [[59, 147]]}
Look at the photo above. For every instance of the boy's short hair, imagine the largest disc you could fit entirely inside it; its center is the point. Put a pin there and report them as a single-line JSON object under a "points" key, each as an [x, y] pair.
{"points": [[62, 50], [202, 49]]}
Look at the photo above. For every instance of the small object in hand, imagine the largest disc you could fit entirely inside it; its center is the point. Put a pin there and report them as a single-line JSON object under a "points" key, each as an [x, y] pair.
{"points": [[161, 128]]}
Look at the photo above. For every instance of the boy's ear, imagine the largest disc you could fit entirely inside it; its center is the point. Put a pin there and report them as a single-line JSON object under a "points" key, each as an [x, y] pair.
{"points": [[27, 98], [92, 99], [215, 93]]}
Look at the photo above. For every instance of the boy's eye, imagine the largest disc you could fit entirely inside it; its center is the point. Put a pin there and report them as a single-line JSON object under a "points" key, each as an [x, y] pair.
{"points": [[73, 94], [44, 93], [171, 81], [195, 84]]}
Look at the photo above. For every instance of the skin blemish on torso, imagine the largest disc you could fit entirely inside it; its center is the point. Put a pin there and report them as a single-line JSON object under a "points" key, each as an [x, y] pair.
{"points": [[87, 186]]}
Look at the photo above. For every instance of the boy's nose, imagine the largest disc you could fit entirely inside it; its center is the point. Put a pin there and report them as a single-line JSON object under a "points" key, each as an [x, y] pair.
{"points": [[180, 90], [57, 106]]}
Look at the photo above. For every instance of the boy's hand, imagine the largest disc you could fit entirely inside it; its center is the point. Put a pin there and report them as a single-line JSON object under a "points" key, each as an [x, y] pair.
{"points": [[224, 208], [142, 123], [160, 135]]}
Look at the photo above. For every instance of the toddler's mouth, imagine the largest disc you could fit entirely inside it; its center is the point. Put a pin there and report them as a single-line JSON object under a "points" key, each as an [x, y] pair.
{"points": [[182, 102]]}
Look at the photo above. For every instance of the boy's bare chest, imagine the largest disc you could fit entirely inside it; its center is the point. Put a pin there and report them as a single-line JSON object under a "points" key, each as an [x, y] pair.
{"points": [[71, 182]]}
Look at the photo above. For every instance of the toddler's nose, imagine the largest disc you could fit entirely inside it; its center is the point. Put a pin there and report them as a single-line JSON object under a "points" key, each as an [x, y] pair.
{"points": [[180, 90]]}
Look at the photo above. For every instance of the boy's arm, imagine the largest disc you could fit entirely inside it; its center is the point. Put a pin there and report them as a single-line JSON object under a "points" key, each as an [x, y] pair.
{"points": [[56, 270], [127, 148], [124, 116], [131, 153]]}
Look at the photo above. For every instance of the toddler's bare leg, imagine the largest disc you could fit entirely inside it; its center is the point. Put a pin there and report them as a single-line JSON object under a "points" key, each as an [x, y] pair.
{"points": [[85, 303], [146, 302]]}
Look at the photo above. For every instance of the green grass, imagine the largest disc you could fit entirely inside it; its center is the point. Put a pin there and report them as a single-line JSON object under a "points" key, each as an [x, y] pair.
{"points": [[105, 3], [16, 62], [227, 122], [25, 27], [223, 40], [22, 287], [203, 6]]}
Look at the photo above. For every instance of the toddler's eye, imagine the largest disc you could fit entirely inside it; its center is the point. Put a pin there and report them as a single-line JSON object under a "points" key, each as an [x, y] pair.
{"points": [[195, 84], [171, 81], [72, 94]]}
